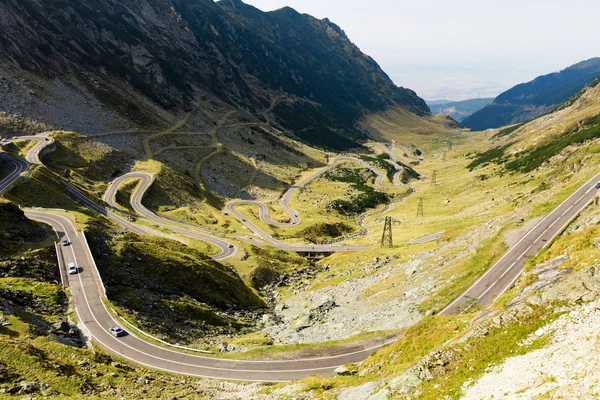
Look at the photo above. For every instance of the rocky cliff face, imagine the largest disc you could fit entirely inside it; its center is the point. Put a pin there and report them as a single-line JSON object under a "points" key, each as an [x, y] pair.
{"points": [[293, 70]]}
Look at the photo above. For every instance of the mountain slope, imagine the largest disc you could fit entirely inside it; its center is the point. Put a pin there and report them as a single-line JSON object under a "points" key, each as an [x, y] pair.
{"points": [[529, 100], [458, 110], [17, 233], [281, 67]]}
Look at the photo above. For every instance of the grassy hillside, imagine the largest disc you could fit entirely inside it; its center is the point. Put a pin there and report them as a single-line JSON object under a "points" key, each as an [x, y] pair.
{"points": [[537, 165], [530, 146], [170, 289], [406, 128]]}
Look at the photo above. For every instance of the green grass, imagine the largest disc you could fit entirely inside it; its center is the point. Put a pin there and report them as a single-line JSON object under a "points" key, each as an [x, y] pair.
{"points": [[380, 161], [367, 198], [42, 188], [271, 264], [469, 271], [169, 289], [529, 161], [417, 341], [507, 131], [124, 193], [20, 234], [410, 171], [51, 295], [89, 159], [478, 354], [495, 155], [321, 232]]}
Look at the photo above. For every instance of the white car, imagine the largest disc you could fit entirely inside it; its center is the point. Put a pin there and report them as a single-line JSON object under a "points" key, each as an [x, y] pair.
{"points": [[117, 331], [72, 268]]}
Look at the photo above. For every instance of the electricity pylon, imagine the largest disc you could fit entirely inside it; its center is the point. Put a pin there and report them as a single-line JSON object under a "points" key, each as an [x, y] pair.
{"points": [[393, 151], [420, 208], [434, 179], [387, 239], [444, 156]]}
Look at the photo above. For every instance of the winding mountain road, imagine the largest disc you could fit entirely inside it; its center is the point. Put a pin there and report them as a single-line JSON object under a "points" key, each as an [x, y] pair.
{"points": [[227, 249], [18, 168], [88, 293], [263, 210]]}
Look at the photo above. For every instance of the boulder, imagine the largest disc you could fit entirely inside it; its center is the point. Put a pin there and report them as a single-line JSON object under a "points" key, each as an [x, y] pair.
{"points": [[405, 383], [359, 392], [346, 370], [30, 387], [269, 319], [383, 394], [302, 322]]}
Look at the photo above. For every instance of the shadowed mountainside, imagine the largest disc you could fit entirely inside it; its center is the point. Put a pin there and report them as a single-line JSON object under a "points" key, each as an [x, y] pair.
{"points": [[281, 67], [532, 99]]}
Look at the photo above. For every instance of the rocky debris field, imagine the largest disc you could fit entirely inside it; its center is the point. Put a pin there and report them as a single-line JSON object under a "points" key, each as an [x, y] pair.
{"points": [[64, 104], [341, 311], [568, 367]]}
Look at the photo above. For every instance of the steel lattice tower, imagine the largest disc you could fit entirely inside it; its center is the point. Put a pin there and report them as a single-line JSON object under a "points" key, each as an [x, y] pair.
{"points": [[386, 238], [420, 208], [434, 179]]}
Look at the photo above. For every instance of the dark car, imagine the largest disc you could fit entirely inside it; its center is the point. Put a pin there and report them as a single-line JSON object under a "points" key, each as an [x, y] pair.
{"points": [[117, 331], [65, 242], [598, 185]]}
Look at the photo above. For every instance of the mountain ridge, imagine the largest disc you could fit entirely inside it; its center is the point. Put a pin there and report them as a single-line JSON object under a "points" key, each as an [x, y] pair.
{"points": [[172, 51], [531, 99], [458, 110]]}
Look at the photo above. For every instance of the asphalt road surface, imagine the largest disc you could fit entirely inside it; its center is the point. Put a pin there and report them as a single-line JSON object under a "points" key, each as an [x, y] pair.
{"points": [[18, 168], [227, 249], [263, 211], [87, 292], [501, 276], [428, 238]]}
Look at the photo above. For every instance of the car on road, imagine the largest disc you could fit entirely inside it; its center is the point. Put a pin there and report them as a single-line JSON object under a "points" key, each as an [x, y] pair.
{"points": [[65, 242], [243, 220], [72, 268], [231, 246], [117, 331], [598, 185]]}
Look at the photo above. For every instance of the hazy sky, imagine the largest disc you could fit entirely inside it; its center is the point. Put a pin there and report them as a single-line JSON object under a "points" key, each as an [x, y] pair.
{"points": [[463, 48]]}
